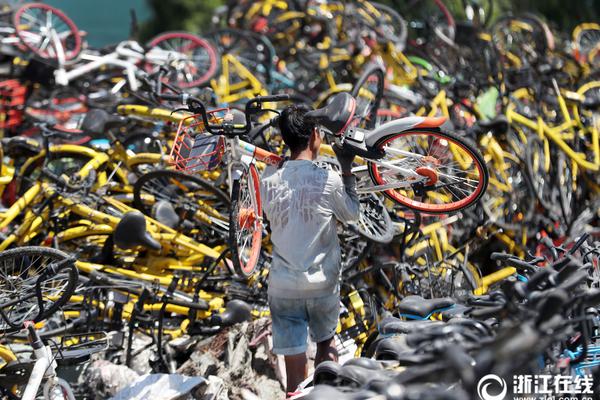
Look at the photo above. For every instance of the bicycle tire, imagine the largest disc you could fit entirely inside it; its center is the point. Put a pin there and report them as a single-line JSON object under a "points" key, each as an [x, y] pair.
{"points": [[198, 43], [245, 197], [21, 33], [169, 186], [18, 284], [393, 21], [374, 222], [372, 79], [467, 148]]}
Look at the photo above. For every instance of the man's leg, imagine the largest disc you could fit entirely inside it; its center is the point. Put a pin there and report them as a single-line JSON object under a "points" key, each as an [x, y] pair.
{"points": [[326, 351], [323, 314], [296, 370]]}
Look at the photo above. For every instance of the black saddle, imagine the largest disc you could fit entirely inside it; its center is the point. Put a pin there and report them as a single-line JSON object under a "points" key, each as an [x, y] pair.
{"points": [[391, 348], [235, 312], [591, 103], [21, 146], [392, 325], [326, 373], [163, 212], [98, 121], [497, 125], [418, 306], [357, 376], [458, 310], [326, 392], [336, 115], [131, 232], [364, 362]]}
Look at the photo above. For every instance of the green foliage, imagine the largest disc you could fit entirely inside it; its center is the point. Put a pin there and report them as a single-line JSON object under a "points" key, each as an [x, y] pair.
{"points": [[187, 15], [194, 15]]}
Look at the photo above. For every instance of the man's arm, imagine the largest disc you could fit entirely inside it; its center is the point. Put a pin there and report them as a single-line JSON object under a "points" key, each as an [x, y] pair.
{"points": [[344, 200], [345, 204]]}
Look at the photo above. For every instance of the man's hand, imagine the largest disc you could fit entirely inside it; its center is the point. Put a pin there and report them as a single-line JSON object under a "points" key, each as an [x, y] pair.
{"points": [[345, 159]]}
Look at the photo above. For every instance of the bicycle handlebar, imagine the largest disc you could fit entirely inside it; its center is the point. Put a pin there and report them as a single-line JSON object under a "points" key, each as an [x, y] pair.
{"points": [[196, 106]]}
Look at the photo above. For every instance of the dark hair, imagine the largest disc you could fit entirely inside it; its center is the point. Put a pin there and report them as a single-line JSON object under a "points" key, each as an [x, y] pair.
{"points": [[295, 129]]}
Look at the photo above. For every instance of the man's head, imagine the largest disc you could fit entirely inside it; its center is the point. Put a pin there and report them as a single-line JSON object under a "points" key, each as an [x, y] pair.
{"points": [[298, 132]]}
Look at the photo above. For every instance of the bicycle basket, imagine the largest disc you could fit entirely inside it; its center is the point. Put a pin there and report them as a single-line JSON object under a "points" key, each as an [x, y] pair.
{"points": [[195, 150], [12, 101]]}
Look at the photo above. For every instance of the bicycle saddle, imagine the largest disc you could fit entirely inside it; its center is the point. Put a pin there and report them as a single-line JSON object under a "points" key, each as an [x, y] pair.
{"points": [[336, 115], [392, 325], [131, 232], [357, 376], [497, 125], [98, 121], [19, 146], [163, 212], [326, 392], [326, 373], [235, 312], [459, 310], [420, 307], [591, 103], [364, 362], [391, 348]]}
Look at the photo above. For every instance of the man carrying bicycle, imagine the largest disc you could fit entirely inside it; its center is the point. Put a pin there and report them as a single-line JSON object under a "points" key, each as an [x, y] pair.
{"points": [[302, 203]]}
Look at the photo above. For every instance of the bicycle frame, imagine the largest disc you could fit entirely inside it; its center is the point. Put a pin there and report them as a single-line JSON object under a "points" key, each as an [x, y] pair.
{"points": [[127, 55]]}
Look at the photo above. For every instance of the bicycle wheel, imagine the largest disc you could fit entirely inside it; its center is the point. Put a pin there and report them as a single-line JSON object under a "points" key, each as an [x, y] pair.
{"points": [[368, 92], [194, 60], [34, 283], [194, 200], [454, 175], [374, 222], [509, 201], [36, 23], [245, 223], [386, 22]]}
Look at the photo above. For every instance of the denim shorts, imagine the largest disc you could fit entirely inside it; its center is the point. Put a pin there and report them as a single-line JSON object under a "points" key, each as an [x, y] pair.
{"points": [[292, 318]]}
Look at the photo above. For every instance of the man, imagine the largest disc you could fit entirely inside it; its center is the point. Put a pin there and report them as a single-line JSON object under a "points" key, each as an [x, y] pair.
{"points": [[302, 202]]}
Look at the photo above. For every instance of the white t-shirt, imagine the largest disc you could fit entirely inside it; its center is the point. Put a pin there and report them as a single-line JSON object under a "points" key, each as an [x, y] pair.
{"points": [[302, 202]]}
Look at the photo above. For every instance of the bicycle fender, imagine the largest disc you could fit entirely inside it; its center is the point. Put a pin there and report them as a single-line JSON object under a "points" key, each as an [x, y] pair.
{"points": [[401, 125]]}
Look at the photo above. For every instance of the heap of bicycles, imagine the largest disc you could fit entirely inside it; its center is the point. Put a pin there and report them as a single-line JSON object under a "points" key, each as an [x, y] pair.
{"points": [[130, 193]]}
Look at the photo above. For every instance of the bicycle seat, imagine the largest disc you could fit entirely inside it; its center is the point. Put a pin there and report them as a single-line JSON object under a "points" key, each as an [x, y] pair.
{"points": [[392, 325], [357, 376], [235, 312], [393, 349], [326, 373], [131, 232], [417, 306], [336, 115], [20, 146], [326, 392], [163, 212], [364, 362], [458, 311], [97, 122], [591, 103], [497, 125]]}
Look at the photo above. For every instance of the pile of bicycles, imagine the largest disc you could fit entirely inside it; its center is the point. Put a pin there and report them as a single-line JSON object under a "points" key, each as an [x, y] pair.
{"points": [[131, 207]]}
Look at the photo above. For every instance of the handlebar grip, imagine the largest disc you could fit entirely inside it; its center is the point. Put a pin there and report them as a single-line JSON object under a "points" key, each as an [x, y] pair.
{"points": [[537, 278], [172, 97], [272, 97], [496, 256], [511, 260]]}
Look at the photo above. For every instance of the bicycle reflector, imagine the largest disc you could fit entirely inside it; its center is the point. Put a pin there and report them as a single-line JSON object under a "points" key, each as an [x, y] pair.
{"points": [[193, 149]]}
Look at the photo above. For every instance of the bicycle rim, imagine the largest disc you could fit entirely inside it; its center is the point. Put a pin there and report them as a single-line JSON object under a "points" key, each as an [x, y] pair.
{"points": [[245, 224], [446, 186]]}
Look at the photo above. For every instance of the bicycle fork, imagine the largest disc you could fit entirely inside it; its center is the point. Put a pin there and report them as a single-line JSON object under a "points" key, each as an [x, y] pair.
{"points": [[44, 368]]}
